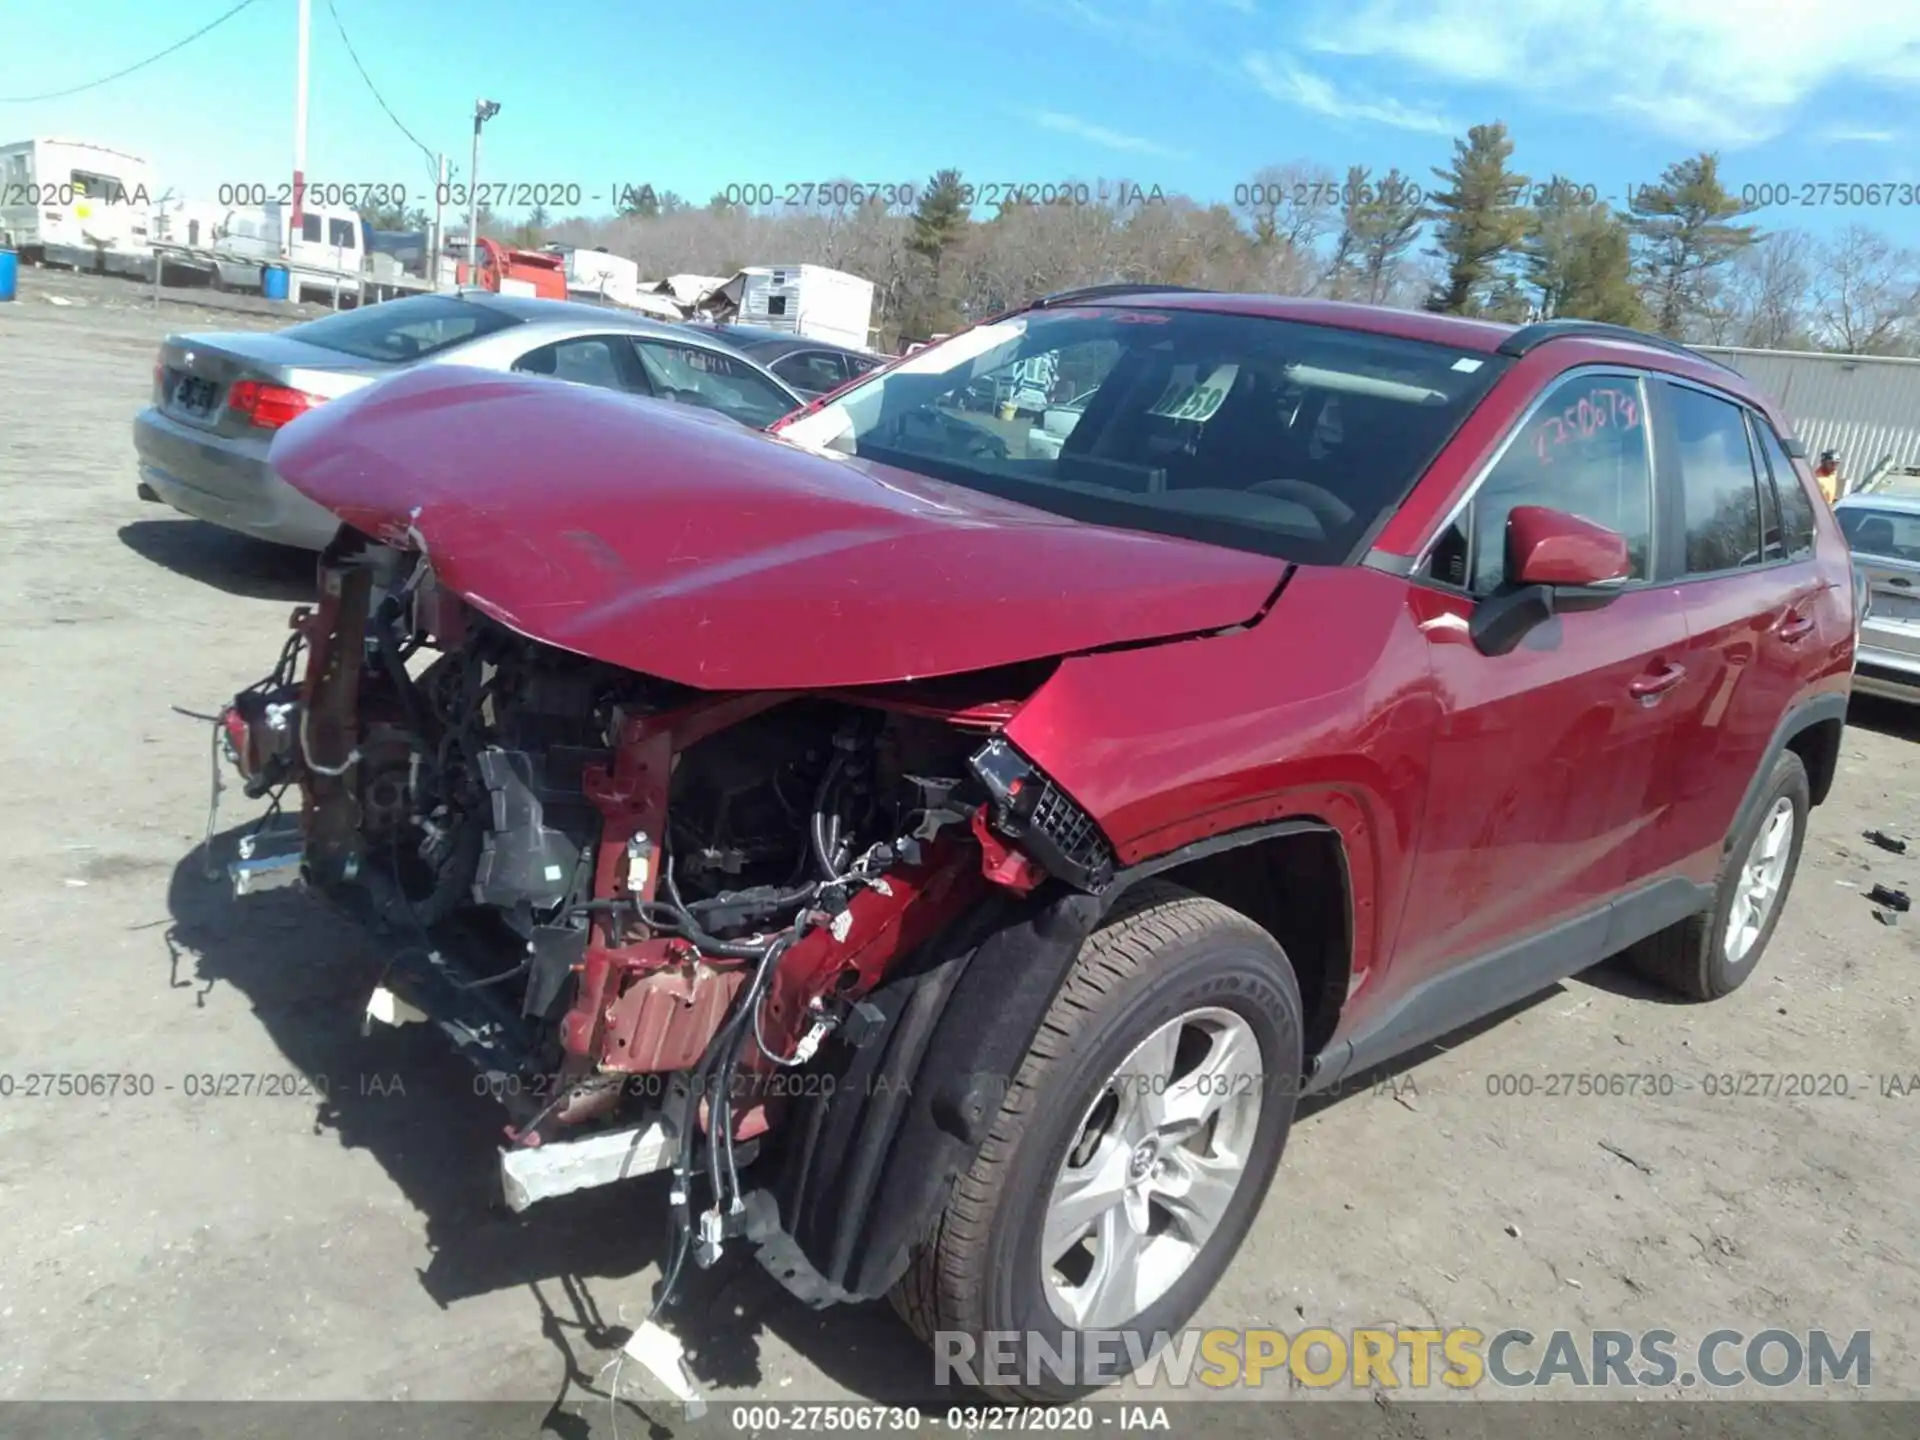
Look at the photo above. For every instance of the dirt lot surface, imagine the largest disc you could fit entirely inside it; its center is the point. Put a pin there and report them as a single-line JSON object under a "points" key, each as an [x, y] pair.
{"points": [[174, 1246]]}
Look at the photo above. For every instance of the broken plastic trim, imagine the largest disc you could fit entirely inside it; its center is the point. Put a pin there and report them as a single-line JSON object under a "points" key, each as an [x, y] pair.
{"points": [[1029, 808]]}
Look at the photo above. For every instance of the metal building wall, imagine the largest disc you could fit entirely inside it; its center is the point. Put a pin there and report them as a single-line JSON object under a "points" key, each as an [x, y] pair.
{"points": [[1865, 407]]}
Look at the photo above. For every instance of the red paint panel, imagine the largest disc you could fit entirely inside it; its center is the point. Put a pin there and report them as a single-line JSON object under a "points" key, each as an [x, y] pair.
{"points": [[1324, 710], [693, 549]]}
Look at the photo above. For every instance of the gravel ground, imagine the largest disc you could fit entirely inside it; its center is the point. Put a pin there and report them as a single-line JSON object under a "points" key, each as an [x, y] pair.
{"points": [[172, 1246]]}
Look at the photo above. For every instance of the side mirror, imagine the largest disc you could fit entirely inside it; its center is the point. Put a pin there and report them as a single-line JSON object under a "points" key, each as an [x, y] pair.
{"points": [[1555, 562], [1555, 549]]}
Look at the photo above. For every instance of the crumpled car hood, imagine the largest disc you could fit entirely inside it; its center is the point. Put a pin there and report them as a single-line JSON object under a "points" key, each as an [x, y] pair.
{"points": [[674, 542]]}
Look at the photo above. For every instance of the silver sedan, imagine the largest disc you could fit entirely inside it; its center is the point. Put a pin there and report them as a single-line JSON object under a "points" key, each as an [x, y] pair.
{"points": [[219, 398], [1884, 532]]}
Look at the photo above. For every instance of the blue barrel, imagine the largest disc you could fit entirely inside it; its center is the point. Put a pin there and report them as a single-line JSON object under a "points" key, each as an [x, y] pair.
{"points": [[273, 281], [9, 274]]}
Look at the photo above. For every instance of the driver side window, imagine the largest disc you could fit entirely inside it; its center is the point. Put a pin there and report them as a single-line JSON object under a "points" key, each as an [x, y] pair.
{"points": [[1585, 451]]}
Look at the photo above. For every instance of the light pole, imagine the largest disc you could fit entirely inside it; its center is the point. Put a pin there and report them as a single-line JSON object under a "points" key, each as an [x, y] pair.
{"points": [[483, 111], [300, 122]]}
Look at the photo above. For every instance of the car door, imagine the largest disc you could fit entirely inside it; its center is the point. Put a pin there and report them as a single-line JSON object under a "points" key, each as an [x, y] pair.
{"points": [[1752, 600], [1546, 759]]}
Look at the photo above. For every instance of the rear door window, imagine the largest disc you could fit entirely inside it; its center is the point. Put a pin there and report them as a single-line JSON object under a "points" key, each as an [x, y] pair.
{"points": [[1796, 506], [695, 375], [401, 330], [587, 360], [812, 371], [1718, 486]]}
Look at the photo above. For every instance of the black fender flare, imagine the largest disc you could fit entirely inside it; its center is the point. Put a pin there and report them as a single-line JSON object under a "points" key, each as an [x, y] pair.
{"points": [[863, 1160], [1800, 717]]}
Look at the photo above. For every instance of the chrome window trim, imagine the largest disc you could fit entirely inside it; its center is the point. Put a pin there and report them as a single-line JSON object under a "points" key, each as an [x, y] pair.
{"points": [[1424, 556]]}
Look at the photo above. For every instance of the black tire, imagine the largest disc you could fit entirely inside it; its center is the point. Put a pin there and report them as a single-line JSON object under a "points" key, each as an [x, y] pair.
{"points": [[1690, 958], [1162, 952]]}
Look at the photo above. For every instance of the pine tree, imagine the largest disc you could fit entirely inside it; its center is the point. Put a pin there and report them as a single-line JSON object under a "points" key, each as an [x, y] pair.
{"points": [[1480, 223], [1685, 231], [941, 216], [1579, 259], [1384, 225]]}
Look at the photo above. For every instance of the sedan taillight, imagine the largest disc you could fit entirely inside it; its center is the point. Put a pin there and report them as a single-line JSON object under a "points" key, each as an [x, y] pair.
{"points": [[268, 407]]}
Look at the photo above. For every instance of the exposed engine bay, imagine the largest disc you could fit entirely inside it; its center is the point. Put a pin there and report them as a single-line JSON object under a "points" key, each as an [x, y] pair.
{"points": [[631, 903]]}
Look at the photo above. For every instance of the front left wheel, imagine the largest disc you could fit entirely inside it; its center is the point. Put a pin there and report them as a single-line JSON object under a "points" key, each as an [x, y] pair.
{"points": [[1128, 1159]]}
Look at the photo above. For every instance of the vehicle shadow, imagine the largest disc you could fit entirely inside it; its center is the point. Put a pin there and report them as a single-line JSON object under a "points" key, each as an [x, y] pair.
{"points": [[237, 564], [1381, 1079], [402, 1096], [1885, 717]]}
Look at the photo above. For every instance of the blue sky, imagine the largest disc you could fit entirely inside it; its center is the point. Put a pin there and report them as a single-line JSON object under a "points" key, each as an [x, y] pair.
{"points": [[1193, 95]]}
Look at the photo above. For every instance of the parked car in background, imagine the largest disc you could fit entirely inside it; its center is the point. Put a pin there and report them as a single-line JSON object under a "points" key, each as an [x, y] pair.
{"points": [[810, 366], [1884, 532], [219, 399], [1000, 844]]}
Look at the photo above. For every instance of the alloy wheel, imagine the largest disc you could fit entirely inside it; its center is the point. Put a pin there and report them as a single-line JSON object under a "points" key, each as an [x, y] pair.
{"points": [[1154, 1164]]}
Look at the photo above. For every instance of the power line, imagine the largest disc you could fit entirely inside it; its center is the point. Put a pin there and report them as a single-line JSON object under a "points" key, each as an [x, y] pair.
{"points": [[432, 159], [91, 84]]}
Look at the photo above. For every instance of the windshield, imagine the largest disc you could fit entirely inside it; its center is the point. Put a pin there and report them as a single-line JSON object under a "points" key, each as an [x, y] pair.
{"points": [[1267, 435], [402, 329]]}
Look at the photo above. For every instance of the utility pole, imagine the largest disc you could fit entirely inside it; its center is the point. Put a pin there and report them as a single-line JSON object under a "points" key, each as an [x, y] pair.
{"points": [[483, 111], [300, 121], [436, 238]]}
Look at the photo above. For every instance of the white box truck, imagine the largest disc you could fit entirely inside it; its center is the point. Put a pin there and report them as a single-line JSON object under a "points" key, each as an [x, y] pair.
{"points": [[810, 300], [71, 202]]}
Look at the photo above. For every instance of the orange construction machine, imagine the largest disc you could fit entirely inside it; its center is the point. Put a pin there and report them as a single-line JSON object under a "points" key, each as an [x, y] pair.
{"points": [[517, 272]]}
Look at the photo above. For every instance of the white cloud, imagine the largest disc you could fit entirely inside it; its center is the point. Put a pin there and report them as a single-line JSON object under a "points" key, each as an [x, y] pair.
{"points": [[1854, 135], [1286, 81], [1100, 135], [1712, 72]]}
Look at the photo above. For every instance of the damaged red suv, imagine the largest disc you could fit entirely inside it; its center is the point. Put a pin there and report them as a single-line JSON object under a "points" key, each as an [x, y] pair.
{"points": [[950, 839]]}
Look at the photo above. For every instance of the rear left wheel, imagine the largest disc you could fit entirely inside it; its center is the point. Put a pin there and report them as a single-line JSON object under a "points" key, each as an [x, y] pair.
{"points": [[1712, 954], [1128, 1159]]}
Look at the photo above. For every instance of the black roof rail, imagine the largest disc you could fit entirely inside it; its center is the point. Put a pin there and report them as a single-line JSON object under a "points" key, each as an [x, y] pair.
{"points": [[1107, 292], [1530, 337]]}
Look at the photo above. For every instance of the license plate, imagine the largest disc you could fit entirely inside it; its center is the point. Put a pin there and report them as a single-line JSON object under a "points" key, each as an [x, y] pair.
{"points": [[194, 395]]}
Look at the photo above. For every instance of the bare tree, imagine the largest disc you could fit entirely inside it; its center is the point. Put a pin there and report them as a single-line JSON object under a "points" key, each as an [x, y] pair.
{"points": [[1767, 289], [1866, 294]]}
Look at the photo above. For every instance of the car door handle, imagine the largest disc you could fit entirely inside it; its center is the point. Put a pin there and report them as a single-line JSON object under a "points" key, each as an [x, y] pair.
{"points": [[1795, 627], [1649, 688], [1899, 581]]}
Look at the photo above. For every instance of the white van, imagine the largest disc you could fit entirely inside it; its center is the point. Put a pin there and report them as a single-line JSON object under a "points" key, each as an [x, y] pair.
{"points": [[75, 203]]}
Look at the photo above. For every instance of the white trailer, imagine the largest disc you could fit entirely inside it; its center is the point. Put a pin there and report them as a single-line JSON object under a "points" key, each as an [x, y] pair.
{"points": [[71, 202], [830, 306], [598, 275]]}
